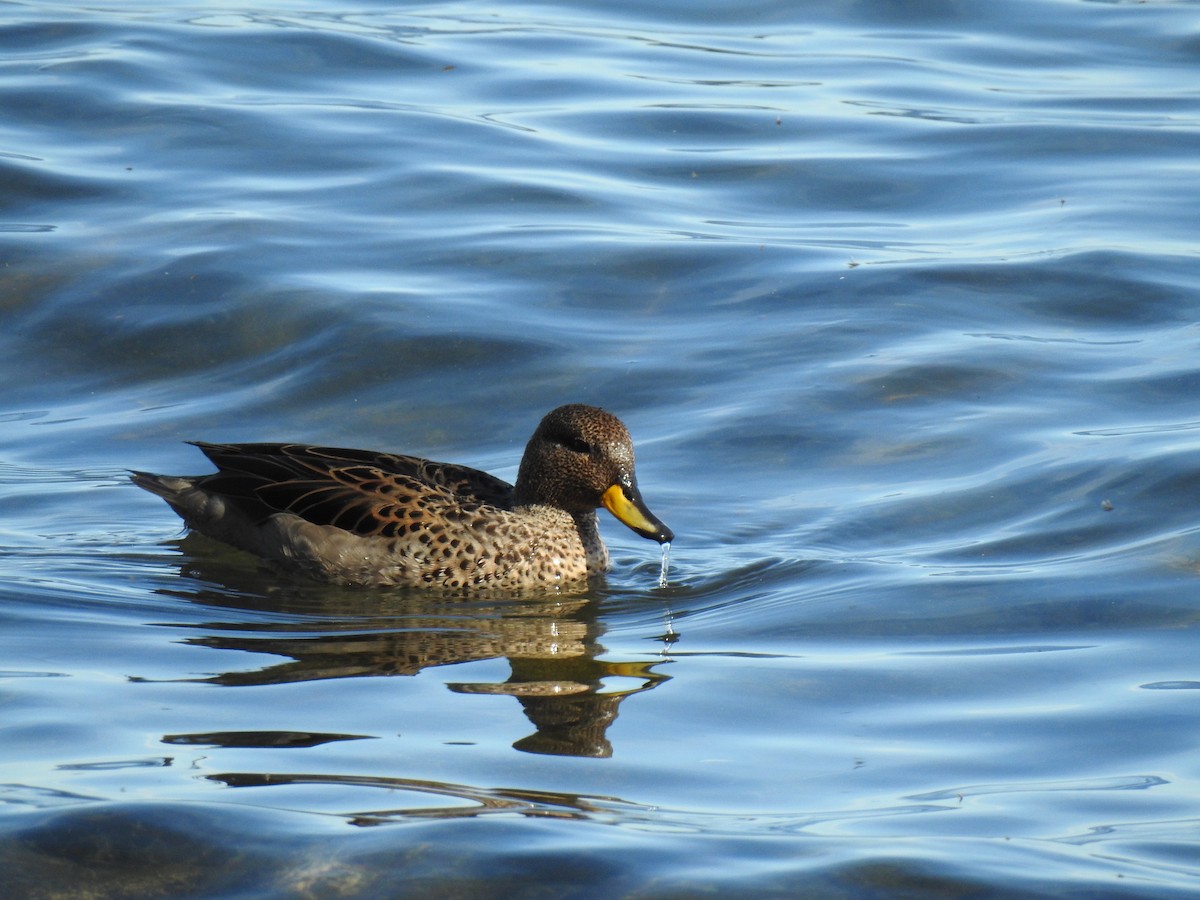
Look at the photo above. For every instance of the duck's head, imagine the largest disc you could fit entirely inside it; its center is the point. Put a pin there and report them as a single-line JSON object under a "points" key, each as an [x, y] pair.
{"points": [[581, 458]]}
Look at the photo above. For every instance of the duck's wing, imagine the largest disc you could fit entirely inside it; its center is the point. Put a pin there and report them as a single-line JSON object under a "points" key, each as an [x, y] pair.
{"points": [[361, 491]]}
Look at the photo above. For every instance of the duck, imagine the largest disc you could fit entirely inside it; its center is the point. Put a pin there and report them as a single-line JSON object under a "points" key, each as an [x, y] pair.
{"points": [[362, 517]]}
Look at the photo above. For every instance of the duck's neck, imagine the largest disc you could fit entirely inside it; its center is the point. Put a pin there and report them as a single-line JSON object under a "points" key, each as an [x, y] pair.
{"points": [[593, 546], [523, 488]]}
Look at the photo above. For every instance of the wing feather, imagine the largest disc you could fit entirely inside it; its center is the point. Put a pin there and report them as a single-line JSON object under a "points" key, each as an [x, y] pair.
{"points": [[363, 492]]}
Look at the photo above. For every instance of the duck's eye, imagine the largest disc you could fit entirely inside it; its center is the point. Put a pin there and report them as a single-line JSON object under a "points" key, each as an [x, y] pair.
{"points": [[578, 444]]}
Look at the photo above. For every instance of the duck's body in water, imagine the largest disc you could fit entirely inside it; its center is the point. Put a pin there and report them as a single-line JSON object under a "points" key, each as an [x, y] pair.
{"points": [[362, 517]]}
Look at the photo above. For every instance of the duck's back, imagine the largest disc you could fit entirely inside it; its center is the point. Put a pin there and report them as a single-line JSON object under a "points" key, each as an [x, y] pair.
{"points": [[367, 493]]}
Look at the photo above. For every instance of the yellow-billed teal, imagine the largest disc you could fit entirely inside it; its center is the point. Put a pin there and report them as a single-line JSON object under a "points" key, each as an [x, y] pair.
{"points": [[362, 517]]}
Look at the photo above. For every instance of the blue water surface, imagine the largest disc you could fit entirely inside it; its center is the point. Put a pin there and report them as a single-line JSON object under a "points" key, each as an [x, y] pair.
{"points": [[901, 303]]}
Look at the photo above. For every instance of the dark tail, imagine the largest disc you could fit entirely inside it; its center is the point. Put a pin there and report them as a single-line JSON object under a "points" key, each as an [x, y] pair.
{"points": [[166, 486]]}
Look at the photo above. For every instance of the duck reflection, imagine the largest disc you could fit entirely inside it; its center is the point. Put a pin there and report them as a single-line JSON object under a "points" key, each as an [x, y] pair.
{"points": [[552, 646], [466, 801]]}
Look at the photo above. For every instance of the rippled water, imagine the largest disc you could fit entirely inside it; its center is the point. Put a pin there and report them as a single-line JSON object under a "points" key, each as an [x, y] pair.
{"points": [[899, 302]]}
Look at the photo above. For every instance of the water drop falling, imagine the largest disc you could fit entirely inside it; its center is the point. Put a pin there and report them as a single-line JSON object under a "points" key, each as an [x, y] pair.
{"points": [[666, 565]]}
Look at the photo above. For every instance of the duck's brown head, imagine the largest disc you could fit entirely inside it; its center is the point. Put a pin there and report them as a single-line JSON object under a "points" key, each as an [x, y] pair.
{"points": [[580, 458]]}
